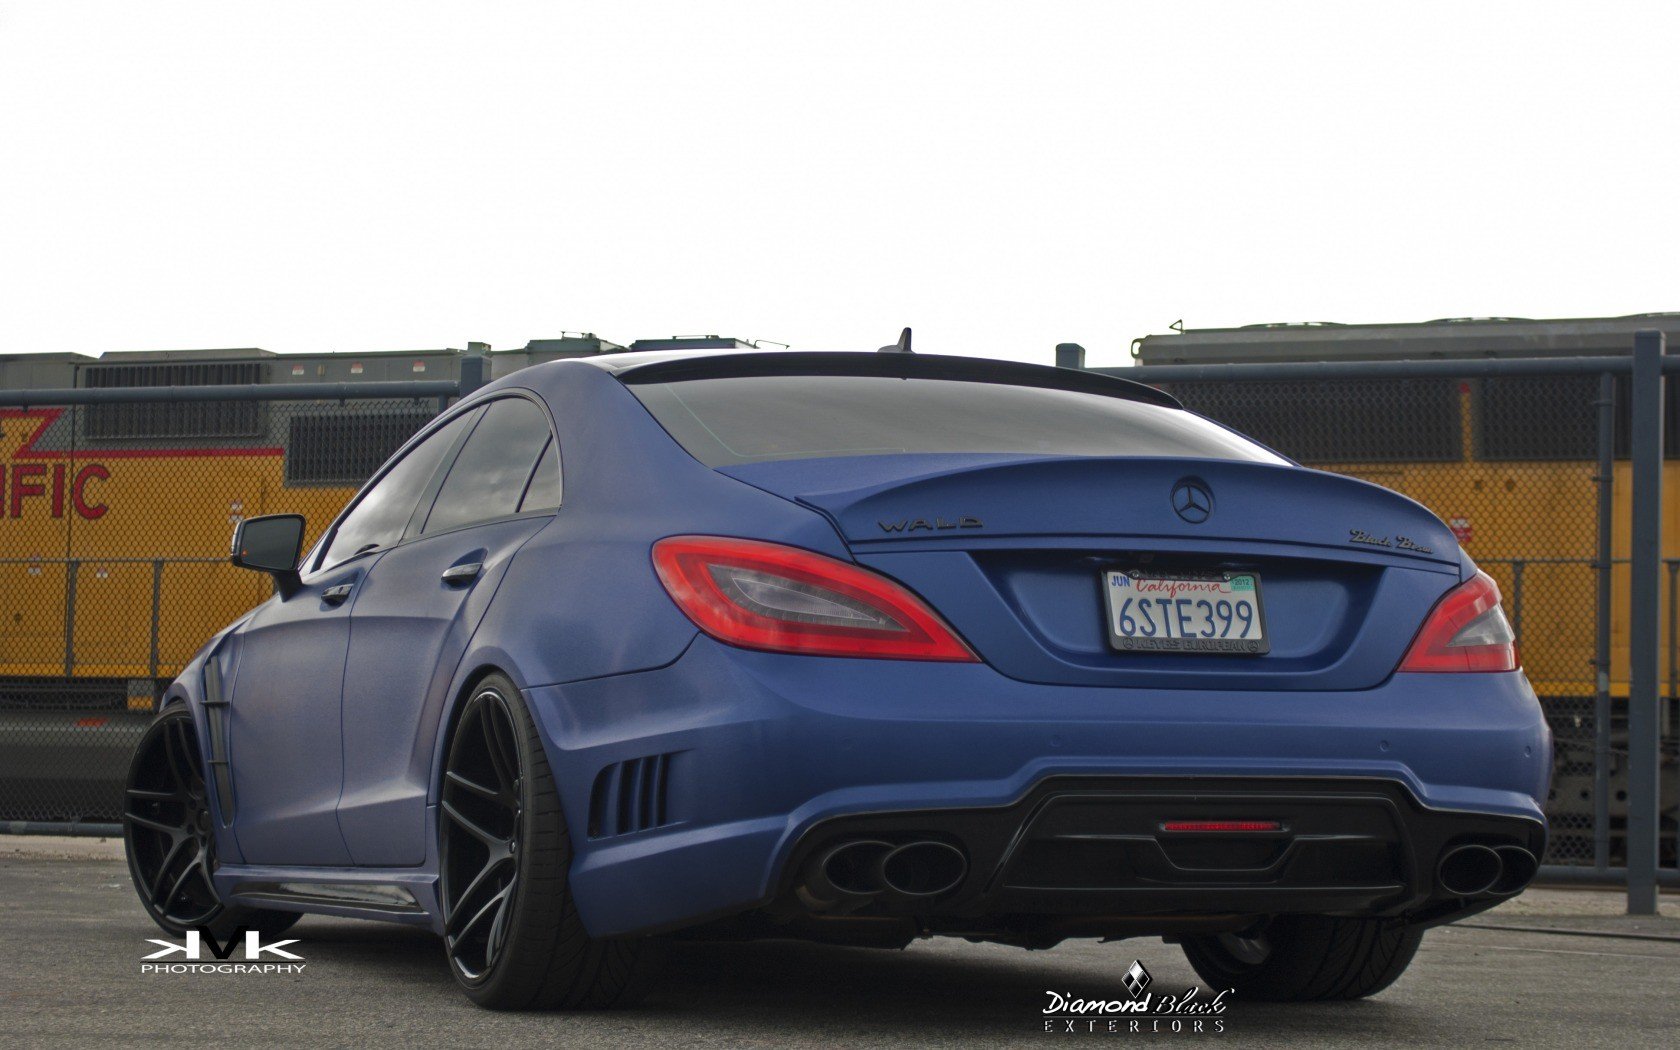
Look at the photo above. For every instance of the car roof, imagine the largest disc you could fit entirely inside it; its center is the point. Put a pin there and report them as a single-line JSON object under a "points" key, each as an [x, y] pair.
{"points": [[670, 366]]}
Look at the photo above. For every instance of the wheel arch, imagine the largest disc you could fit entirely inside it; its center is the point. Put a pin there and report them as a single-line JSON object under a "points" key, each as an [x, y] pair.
{"points": [[472, 671], [450, 720]]}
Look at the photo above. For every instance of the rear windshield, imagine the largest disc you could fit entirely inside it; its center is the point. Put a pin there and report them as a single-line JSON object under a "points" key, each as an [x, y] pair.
{"points": [[750, 419]]}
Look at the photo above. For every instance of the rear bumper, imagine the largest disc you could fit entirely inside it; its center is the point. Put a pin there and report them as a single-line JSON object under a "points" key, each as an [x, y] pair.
{"points": [[758, 760], [1076, 853]]}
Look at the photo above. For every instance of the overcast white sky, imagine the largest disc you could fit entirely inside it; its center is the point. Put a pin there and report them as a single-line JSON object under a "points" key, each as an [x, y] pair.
{"points": [[307, 177]]}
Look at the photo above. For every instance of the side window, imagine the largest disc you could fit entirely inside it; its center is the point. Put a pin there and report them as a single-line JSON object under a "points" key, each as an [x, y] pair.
{"points": [[543, 493], [378, 519], [488, 477]]}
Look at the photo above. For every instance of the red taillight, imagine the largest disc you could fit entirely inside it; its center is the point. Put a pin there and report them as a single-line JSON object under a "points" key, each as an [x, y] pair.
{"points": [[786, 600], [1466, 631]]}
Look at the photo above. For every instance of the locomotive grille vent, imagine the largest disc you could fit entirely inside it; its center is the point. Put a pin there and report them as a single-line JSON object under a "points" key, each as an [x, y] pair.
{"points": [[181, 419], [630, 796]]}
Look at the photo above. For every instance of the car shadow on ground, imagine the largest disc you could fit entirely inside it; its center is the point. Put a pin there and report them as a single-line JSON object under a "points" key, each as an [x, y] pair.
{"points": [[938, 990]]}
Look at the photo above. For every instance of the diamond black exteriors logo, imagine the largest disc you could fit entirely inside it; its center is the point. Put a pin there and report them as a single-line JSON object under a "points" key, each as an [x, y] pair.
{"points": [[1137, 979], [1143, 1012]]}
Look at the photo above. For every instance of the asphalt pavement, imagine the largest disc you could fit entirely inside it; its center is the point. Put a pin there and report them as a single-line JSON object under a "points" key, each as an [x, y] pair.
{"points": [[1564, 970]]}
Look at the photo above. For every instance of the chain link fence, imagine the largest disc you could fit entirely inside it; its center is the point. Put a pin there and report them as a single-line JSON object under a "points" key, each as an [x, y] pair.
{"points": [[1512, 464], [115, 520], [114, 527]]}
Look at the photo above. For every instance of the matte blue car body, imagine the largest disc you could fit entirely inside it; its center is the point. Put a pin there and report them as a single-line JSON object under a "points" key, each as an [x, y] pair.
{"points": [[766, 746]]}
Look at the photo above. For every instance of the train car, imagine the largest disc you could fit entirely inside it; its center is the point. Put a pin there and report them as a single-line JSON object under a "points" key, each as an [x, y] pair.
{"points": [[1510, 464], [114, 525]]}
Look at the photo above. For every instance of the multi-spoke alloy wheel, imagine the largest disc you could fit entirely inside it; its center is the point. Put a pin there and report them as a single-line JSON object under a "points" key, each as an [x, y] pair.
{"points": [[514, 937], [480, 834], [169, 838], [166, 821]]}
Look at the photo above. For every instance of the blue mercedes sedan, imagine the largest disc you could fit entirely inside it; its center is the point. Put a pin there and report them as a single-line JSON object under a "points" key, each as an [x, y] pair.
{"points": [[854, 648]]}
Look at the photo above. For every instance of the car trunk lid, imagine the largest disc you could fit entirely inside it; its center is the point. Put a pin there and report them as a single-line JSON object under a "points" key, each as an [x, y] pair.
{"points": [[1013, 550]]}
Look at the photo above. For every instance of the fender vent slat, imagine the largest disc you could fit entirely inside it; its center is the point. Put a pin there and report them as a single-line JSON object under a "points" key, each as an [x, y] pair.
{"points": [[630, 796]]}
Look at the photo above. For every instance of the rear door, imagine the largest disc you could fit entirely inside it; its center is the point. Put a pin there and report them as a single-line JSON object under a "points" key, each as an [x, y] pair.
{"points": [[416, 612]]}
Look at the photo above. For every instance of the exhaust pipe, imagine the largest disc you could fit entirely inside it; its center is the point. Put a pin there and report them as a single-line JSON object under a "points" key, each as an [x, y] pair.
{"points": [[1467, 871], [1519, 867], [923, 869], [846, 875]]}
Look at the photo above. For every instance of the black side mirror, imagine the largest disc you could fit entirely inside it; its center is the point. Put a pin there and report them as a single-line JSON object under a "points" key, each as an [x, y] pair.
{"points": [[271, 543]]}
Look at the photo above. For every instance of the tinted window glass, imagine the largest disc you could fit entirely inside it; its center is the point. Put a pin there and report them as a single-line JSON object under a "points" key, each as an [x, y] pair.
{"points": [[379, 518], [489, 475], [544, 491], [747, 419]]}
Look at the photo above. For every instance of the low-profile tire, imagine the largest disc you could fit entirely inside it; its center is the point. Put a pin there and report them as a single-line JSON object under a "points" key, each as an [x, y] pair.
{"points": [[512, 931], [169, 836], [1299, 958]]}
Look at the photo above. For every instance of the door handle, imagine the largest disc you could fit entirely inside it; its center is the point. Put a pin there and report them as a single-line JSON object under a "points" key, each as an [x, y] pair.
{"points": [[463, 573], [336, 595]]}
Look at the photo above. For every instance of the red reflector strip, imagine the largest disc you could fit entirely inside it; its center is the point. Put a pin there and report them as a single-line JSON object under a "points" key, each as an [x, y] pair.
{"points": [[90, 723], [1222, 825]]}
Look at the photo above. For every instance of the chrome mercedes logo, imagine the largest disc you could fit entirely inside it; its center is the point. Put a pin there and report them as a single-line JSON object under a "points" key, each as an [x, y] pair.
{"points": [[1192, 501]]}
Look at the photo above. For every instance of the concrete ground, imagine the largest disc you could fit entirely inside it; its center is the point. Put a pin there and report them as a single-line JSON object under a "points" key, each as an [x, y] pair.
{"points": [[1564, 970]]}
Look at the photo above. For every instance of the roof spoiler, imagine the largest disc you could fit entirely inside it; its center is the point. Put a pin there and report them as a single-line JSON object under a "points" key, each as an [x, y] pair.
{"points": [[895, 365]]}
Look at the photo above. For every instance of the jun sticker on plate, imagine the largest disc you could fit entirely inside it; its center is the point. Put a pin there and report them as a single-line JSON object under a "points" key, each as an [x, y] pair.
{"points": [[1216, 613]]}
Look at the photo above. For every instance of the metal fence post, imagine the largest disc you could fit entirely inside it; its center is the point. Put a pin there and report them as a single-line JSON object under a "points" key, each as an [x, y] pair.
{"points": [[1601, 650], [72, 569], [475, 367], [1673, 626], [1643, 735]]}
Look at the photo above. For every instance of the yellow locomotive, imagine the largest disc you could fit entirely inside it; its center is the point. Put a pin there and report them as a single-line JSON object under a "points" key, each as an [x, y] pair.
{"points": [[114, 518]]}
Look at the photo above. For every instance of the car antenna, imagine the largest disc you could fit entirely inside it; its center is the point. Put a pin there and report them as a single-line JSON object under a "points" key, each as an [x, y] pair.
{"points": [[900, 347]]}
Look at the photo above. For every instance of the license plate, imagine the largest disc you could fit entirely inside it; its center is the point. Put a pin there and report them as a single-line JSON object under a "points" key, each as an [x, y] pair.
{"points": [[1218, 613]]}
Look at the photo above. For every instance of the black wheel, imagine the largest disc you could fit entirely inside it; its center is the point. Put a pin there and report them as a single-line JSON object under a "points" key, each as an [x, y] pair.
{"points": [[512, 932], [1296, 958], [169, 839]]}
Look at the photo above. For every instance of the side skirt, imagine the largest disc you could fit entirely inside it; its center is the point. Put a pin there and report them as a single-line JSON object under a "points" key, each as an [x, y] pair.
{"points": [[402, 895]]}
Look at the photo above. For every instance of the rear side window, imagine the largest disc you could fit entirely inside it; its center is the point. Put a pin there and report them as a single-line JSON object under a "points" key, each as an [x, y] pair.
{"points": [[380, 516], [543, 493], [489, 477], [749, 419]]}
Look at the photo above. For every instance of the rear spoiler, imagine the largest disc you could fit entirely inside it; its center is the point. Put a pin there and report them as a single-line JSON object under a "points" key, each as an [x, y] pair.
{"points": [[898, 366]]}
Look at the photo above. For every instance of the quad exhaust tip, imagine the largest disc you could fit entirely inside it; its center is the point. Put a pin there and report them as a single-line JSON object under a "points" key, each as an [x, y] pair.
{"points": [[1519, 867], [1476, 870], [923, 869], [854, 868]]}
